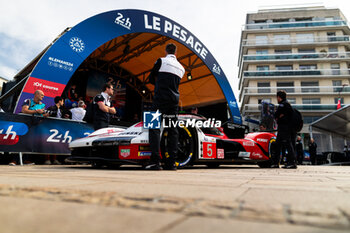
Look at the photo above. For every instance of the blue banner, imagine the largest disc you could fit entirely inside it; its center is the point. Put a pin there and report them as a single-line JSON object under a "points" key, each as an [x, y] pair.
{"points": [[31, 134]]}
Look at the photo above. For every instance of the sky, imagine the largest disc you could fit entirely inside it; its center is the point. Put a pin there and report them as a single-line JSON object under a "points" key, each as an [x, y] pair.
{"points": [[27, 27]]}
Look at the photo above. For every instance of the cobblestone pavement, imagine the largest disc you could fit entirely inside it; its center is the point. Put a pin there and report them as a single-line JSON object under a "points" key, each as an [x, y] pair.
{"points": [[228, 199]]}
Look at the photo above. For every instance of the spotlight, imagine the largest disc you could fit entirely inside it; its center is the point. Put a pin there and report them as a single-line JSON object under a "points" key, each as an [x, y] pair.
{"points": [[143, 91], [189, 76]]}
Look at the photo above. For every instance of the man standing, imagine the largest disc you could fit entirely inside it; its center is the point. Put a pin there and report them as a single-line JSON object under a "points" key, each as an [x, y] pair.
{"points": [[285, 132], [312, 151], [166, 76], [56, 110], [35, 106], [78, 113], [103, 107], [299, 150]]}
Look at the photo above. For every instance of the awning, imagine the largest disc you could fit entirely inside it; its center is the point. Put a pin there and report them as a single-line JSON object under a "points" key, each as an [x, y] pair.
{"points": [[337, 123]]}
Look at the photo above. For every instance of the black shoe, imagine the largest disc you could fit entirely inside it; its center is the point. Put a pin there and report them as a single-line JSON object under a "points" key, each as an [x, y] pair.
{"points": [[153, 166], [275, 166], [290, 166]]}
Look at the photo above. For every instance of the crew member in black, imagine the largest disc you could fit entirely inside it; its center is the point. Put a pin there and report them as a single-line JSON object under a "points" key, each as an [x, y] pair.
{"points": [[299, 150], [165, 75], [285, 133], [103, 107], [312, 151]]}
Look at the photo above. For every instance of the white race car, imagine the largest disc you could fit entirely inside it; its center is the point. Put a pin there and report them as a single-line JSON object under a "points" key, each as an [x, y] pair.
{"points": [[197, 145]]}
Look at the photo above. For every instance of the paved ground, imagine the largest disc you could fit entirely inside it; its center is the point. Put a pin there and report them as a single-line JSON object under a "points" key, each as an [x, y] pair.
{"points": [[37, 199]]}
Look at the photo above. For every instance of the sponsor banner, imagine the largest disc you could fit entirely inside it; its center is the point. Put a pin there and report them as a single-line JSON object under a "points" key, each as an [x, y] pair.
{"points": [[30, 134], [50, 89]]}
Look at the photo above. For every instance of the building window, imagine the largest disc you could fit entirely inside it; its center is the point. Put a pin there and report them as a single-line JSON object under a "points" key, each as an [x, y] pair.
{"points": [[308, 67], [266, 100], [331, 36], [260, 21], [311, 101], [292, 100], [261, 40], [262, 51], [280, 20], [306, 50], [304, 19], [335, 68], [262, 68], [284, 67], [310, 86], [338, 85], [281, 39], [264, 87], [305, 38], [286, 86], [333, 49], [283, 51]]}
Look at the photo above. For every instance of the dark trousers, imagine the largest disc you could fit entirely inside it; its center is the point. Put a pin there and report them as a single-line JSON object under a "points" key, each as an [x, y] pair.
{"points": [[284, 140], [169, 113], [313, 158], [100, 124]]}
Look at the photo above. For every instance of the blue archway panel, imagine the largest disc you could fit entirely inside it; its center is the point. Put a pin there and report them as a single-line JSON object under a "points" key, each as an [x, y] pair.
{"points": [[59, 63]]}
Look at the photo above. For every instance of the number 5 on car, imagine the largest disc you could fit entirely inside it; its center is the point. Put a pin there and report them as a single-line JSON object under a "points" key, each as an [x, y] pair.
{"points": [[209, 150]]}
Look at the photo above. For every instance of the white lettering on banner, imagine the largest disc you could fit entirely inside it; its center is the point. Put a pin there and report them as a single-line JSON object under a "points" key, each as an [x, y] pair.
{"points": [[9, 132], [122, 21], [209, 123], [54, 137], [155, 23]]}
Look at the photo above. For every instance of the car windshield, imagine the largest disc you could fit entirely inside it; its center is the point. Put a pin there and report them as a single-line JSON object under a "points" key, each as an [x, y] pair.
{"points": [[212, 131]]}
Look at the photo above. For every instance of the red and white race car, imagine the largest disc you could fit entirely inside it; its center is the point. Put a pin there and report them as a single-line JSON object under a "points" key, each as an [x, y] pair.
{"points": [[197, 145]]}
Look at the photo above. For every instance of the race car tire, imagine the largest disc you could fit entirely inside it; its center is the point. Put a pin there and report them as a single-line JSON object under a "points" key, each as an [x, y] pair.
{"points": [[186, 142], [272, 153]]}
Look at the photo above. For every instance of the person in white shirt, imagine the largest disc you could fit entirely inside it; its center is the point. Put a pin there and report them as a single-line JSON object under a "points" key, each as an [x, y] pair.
{"points": [[78, 113]]}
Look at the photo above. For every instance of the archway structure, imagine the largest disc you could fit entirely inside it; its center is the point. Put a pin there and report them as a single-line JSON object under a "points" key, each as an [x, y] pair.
{"points": [[131, 40]]}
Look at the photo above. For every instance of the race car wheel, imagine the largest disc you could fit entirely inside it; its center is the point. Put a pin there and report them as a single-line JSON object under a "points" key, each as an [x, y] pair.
{"points": [[272, 153], [185, 146]]}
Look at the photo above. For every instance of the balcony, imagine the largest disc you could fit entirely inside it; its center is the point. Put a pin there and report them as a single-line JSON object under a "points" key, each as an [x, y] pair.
{"points": [[297, 56], [289, 73], [295, 91], [256, 108], [296, 41], [289, 25]]}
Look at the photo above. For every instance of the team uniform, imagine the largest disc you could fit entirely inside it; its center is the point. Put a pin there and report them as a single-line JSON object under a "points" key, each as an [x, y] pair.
{"points": [[101, 119], [166, 76], [285, 132]]}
